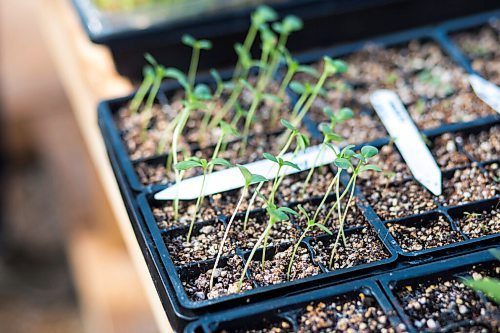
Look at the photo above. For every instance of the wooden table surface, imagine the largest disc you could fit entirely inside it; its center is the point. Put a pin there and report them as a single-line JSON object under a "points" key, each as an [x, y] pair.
{"points": [[88, 76]]}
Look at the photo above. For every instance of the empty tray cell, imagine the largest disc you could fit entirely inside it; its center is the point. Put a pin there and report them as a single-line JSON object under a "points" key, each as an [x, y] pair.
{"points": [[447, 153], [282, 232], [478, 221], [354, 217], [362, 247], [164, 212], [440, 303], [394, 168], [276, 265], [483, 146], [423, 233], [482, 48], [357, 313], [461, 107], [203, 245], [196, 279], [398, 200], [467, 185]]}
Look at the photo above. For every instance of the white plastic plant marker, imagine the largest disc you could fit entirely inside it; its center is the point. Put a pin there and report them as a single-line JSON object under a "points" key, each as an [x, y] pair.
{"points": [[485, 90], [408, 139], [231, 178]]}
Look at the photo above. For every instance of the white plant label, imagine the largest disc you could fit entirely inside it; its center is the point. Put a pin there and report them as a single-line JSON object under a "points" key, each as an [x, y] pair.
{"points": [[485, 90], [231, 178], [408, 139]]}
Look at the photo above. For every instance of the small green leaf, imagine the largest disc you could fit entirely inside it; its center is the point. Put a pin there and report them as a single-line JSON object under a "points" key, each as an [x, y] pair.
{"points": [[348, 153], [149, 58], [263, 14], [148, 71], [292, 23], [303, 211], [202, 92], [288, 211], [323, 227], [345, 114], [302, 141], [297, 87], [360, 157], [369, 151], [370, 167], [287, 124], [270, 157], [189, 164], [257, 179], [188, 40], [342, 163], [271, 97], [221, 161], [489, 286], [247, 175], [228, 129], [246, 84], [329, 112], [292, 165], [308, 70], [204, 44]]}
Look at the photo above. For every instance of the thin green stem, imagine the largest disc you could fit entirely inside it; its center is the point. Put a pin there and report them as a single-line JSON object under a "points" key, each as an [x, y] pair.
{"points": [[248, 122], [281, 94], [141, 93], [227, 106], [226, 233], [148, 108], [197, 206], [295, 248], [311, 172], [193, 66]]}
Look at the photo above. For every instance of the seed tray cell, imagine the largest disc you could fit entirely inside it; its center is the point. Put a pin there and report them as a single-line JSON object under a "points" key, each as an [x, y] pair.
{"points": [[356, 306], [432, 298]]}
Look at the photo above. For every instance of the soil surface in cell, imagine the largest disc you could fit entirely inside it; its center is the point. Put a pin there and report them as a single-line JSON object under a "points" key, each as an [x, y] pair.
{"points": [[197, 285], [275, 268], [435, 305], [358, 314], [483, 146], [467, 185], [398, 200], [429, 234], [165, 214], [394, 168], [446, 152], [479, 224], [203, 245], [361, 247]]}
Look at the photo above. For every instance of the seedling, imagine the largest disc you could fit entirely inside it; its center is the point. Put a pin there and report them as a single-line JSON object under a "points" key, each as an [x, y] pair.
{"points": [[472, 216], [276, 214], [311, 224], [489, 286], [367, 152], [249, 180], [149, 76], [202, 163], [388, 175], [197, 46], [328, 136]]}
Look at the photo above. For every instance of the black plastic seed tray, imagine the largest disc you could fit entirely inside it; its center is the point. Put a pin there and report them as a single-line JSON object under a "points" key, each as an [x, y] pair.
{"points": [[426, 279], [169, 274], [355, 19], [285, 313]]}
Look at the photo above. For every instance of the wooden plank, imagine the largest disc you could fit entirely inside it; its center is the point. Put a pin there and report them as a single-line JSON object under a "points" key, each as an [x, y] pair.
{"points": [[87, 74]]}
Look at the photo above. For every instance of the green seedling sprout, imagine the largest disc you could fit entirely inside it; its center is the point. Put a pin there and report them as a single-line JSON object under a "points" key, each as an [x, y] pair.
{"points": [[249, 180], [205, 165], [311, 224], [147, 82], [294, 135], [388, 175], [261, 16], [366, 153], [304, 91], [276, 214], [329, 136], [197, 46], [226, 130], [257, 98], [471, 216]]}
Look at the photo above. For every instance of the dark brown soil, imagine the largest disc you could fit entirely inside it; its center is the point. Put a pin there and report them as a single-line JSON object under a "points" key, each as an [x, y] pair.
{"points": [[203, 245], [461, 107], [354, 217], [130, 125], [398, 200], [482, 47], [282, 232], [434, 305], [164, 213], [363, 247], [394, 169], [446, 152], [359, 314], [467, 185], [483, 146], [275, 268], [225, 282], [480, 224], [429, 234]]}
